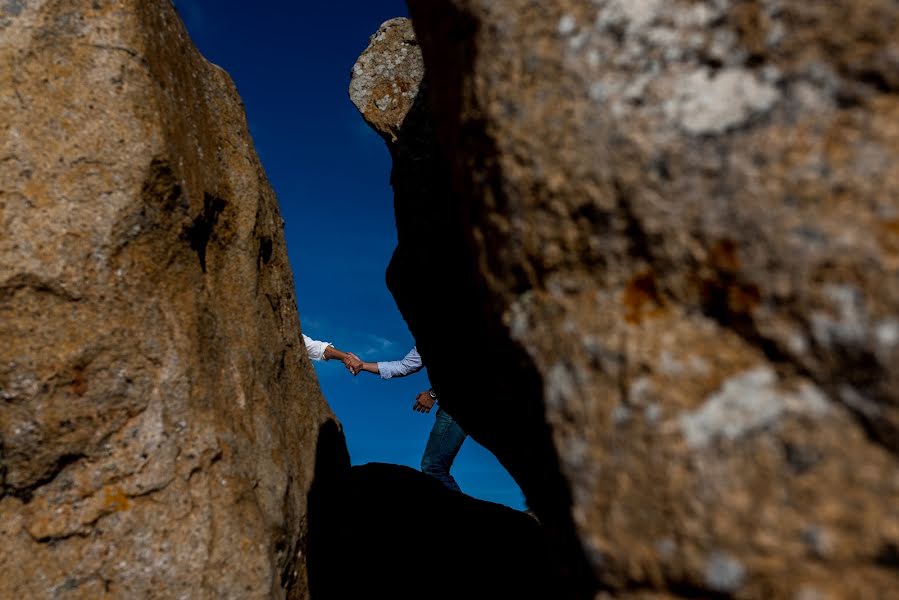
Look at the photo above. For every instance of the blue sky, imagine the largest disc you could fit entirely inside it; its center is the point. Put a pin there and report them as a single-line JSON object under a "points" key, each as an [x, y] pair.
{"points": [[291, 63]]}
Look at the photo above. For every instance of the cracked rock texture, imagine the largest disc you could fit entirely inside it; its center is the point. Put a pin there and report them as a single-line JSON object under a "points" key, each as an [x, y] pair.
{"points": [[158, 415], [675, 230]]}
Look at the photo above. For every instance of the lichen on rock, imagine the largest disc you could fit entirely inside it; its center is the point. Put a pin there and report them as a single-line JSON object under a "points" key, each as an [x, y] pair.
{"points": [[386, 78], [671, 227]]}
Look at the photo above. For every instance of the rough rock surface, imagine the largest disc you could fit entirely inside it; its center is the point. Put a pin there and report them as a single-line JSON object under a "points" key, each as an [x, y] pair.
{"points": [[435, 287], [158, 414], [387, 77], [685, 215]]}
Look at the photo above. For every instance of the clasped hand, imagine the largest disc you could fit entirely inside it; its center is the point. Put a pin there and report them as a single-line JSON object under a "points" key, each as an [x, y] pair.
{"points": [[353, 363]]}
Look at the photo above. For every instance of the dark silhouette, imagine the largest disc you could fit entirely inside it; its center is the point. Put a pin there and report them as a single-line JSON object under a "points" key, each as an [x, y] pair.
{"points": [[386, 531]]}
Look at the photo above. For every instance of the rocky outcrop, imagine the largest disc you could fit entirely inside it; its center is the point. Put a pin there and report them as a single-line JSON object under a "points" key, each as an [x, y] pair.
{"points": [[158, 415], [433, 281], [674, 231], [385, 531]]}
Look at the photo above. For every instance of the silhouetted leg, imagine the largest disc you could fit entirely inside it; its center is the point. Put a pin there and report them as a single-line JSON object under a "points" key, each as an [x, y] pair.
{"points": [[443, 445]]}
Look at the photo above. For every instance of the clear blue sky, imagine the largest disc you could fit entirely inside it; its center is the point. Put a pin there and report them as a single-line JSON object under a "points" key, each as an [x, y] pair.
{"points": [[291, 63]]}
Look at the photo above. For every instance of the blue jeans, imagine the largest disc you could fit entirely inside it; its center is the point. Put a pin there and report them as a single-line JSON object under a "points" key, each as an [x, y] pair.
{"points": [[443, 445]]}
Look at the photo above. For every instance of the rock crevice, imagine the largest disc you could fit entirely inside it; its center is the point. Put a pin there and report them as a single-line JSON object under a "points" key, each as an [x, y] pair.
{"points": [[678, 219]]}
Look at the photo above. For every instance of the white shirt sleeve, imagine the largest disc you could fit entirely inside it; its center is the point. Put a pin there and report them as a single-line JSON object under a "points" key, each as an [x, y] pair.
{"points": [[411, 363], [314, 348]]}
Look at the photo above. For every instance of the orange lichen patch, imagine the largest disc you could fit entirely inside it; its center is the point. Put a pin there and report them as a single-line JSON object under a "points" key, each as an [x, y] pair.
{"points": [[891, 229], [396, 105], [888, 236], [725, 297], [403, 85], [742, 298], [723, 256], [752, 26], [79, 382], [723, 294], [116, 500], [35, 190], [640, 292]]}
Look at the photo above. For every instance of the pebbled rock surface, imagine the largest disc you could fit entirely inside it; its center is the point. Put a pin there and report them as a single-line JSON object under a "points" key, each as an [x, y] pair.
{"points": [[386, 78], [158, 416], [674, 226]]}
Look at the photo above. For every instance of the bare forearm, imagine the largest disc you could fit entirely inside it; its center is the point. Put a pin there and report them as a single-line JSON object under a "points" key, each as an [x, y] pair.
{"points": [[332, 353], [371, 367]]}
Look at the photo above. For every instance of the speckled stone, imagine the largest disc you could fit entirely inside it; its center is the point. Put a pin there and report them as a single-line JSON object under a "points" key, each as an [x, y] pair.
{"points": [[689, 205], [158, 415], [386, 78]]}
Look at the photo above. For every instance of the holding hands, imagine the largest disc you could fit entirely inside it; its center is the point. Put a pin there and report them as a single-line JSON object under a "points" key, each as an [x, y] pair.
{"points": [[353, 363], [411, 363]]}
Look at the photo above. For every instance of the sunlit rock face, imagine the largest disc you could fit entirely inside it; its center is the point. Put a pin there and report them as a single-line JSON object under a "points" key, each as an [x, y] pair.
{"points": [[672, 232], [386, 78], [158, 415]]}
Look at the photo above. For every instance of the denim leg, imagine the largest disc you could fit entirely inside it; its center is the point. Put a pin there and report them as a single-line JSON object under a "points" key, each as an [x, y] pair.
{"points": [[443, 444]]}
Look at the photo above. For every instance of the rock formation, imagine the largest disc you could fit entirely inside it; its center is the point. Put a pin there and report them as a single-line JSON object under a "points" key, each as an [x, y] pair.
{"points": [[433, 281], [386, 531], [671, 230], [159, 416]]}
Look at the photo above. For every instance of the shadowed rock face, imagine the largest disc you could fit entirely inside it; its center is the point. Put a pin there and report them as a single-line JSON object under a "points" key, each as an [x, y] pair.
{"points": [[672, 228], [434, 283], [432, 278], [411, 537], [158, 416], [385, 531]]}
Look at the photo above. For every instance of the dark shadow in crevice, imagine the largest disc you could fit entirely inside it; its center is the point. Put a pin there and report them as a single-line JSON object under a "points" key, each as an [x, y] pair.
{"points": [[25, 493], [484, 378], [199, 232]]}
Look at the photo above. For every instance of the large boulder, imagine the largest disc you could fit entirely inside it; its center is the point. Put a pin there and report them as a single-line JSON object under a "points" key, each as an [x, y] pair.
{"points": [[470, 360], [412, 537], [158, 414], [675, 231]]}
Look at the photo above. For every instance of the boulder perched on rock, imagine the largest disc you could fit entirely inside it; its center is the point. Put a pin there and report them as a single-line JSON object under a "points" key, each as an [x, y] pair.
{"points": [[387, 77], [433, 279], [158, 415], [677, 223]]}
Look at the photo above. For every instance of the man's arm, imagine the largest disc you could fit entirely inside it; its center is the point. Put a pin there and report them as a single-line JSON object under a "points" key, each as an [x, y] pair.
{"points": [[424, 402], [411, 363]]}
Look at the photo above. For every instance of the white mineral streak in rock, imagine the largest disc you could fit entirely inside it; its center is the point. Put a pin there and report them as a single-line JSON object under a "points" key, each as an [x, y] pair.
{"points": [[745, 403], [706, 103]]}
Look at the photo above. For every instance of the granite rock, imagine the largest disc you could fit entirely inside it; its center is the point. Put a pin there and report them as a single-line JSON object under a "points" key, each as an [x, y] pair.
{"points": [[671, 229], [158, 414]]}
